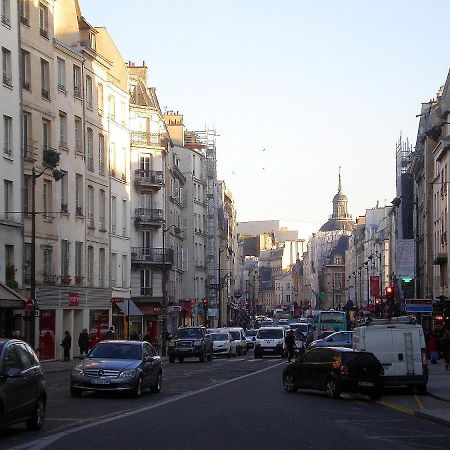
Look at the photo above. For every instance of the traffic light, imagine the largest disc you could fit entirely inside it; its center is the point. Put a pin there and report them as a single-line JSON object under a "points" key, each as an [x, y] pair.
{"points": [[205, 307], [389, 292]]}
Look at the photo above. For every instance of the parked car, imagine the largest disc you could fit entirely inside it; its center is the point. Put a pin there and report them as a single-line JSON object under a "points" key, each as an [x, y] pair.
{"points": [[400, 347], [335, 370], [191, 342], [118, 366], [250, 338], [283, 322], [22, 388], [267, 323], [270, 341], [223, 344], [238, 335], [324, 334], [338, 339]]}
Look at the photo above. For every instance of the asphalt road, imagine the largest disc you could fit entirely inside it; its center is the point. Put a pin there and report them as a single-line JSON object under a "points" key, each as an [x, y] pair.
{"points": [[225, 404]]}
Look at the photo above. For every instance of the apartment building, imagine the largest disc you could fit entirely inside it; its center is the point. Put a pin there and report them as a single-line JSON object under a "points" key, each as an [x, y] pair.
{"points": [[11, 248]]}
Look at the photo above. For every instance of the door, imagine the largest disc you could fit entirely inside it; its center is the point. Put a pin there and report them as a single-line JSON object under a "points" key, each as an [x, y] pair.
{"points": [[150, 366], [145, 163], [305, 372], [323, 366], [31, 377]]}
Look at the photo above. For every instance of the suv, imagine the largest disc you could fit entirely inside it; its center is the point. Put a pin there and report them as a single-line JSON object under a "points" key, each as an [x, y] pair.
{"points": [[191, 341], [22, 387]]}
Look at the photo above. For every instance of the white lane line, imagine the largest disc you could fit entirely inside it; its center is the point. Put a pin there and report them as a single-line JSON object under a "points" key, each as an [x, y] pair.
{"points": [[44, 442]]}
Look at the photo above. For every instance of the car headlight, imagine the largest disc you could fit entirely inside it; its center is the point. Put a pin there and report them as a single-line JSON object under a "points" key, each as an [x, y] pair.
{"points": [[127, 373], [78, 370]]}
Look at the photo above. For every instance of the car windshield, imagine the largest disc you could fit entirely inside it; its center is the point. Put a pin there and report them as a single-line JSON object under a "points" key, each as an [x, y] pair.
{"points": [[270, 334], [303, 327], [116, 351], [235, 335], [219, 337], [189, 333], [250, 333]]}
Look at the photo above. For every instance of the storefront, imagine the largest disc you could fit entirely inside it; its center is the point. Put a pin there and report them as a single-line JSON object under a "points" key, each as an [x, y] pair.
{"points": [[152, 321], [127, 314], [12, 311]]}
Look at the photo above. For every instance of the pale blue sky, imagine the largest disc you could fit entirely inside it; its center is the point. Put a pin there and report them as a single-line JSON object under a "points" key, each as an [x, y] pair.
{"points": [[317, 83]]}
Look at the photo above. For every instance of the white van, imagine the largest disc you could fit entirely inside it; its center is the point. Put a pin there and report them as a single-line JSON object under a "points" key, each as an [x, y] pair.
{"points": [[400, 347]]}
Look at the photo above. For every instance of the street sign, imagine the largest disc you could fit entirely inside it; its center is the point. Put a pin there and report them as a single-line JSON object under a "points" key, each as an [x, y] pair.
{"points": [[30, 304], [418, 301], [375, 286], [214, 286], [74, 299], [419, 308]]}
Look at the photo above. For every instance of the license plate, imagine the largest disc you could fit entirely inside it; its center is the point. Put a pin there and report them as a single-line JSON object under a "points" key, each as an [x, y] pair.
{"points": [[184, 349], [366, 383], [100, 381]]}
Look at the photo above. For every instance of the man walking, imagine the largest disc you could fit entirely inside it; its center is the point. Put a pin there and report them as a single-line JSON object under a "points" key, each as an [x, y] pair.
{"points": [[83, 342], [289, 340]]}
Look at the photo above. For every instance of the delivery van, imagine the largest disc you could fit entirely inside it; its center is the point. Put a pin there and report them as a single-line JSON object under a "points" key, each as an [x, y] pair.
{"points": [[399, 345]]}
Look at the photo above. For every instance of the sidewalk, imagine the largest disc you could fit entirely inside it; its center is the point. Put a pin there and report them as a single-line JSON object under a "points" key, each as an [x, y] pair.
{"points": [[439, 381]]}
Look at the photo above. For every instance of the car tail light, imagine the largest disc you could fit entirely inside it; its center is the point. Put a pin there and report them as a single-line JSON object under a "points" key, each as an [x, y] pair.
{"points": [[344, 370], [423, 352]]}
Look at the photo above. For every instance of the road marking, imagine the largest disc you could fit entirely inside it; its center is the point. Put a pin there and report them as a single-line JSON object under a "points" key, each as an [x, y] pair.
{"points": [[406, 436], [46, 441], [402, 409], [63, 419], [419, 402]]}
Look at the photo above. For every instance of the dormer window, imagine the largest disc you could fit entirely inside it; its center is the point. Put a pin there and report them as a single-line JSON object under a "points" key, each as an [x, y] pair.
{"points": [[92, 40]]}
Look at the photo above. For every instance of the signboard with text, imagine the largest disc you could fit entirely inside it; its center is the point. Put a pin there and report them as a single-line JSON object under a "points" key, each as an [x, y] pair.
{"points": [[74, 299], [375, 286]]}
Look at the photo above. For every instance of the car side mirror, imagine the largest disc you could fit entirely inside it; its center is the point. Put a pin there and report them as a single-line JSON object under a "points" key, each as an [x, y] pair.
{"points": [[12, 372]]}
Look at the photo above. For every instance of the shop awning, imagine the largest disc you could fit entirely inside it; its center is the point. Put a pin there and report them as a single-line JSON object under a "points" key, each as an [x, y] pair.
{"points": [[128, 306], [10, 298]]}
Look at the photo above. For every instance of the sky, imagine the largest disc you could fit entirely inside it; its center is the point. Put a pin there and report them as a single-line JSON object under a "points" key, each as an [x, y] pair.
{"points": [[295, 89]]}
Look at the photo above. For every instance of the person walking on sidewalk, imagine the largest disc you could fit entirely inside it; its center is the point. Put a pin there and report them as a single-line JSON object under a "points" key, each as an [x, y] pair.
{"points": [[445, 347], [83, 342], [433, 348], [66, 344], [289, 340]]}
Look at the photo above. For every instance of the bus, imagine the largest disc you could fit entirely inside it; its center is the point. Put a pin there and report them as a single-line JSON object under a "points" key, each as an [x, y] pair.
{"points": [[331, 321]]}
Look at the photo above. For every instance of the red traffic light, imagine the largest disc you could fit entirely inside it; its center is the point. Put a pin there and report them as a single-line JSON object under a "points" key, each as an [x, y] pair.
{"points": [[205, 302], [389, 292]]}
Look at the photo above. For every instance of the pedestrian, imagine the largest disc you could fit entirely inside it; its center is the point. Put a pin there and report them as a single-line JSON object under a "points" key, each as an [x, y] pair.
{"points": [[445, 347], [433, 348], [66, 344], [110, 335], [83, 342], [289, 340]]}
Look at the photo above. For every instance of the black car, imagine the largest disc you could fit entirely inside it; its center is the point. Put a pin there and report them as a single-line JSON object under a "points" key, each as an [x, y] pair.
{"points": [[118, 366], [22, 387], [191, 342], [335, 370]]}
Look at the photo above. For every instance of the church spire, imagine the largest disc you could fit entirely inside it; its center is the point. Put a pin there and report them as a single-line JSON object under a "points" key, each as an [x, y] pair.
{"points": [[340, 183]]}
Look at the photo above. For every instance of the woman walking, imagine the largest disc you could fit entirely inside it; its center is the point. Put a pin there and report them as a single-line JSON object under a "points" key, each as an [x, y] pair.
{"points": [[66, 344]]}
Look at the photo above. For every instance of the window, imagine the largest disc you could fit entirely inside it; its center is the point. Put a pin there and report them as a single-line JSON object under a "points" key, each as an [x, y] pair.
{"points": [[61, 74], [78, 136], [122, 113], [26, 193], [90, 207], [90, 149], [113, 214], [45, 133], [124, 270], [48, 268], [25, 69], [45, 79], [101, 267], [27, 142], [102, 206], [92, 40], [101, 154], [24, 9], [100, 98], [78, 195], [89, 93], [90, 265], [62, 130], [78, 262], [64, 260], [6, 67], [113, 269], [145, 282], [112, 159], [124, 218], [6, 13], [8, 192], [43, 20], [111, 107], [47, 198], [7, 135], [64, 187], [77, 81]]}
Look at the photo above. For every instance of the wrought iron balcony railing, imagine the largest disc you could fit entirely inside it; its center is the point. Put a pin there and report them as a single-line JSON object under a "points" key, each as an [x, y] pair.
{"points": [[143, 255], [147, 139], [144, 216], [148, 177]]}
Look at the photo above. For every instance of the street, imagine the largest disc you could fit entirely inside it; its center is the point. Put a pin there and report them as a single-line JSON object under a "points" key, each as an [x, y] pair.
{"points": [[228, 403]]}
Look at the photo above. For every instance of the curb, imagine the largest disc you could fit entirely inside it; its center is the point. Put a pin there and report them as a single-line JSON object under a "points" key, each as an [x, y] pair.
{"points": [[432, 418], [438, 397]]}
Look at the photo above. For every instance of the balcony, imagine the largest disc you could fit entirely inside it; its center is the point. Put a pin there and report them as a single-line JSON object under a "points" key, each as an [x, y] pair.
{"points": [[148, 217], [45, 94], [143, 138], [7, 80], [148, 178], [28, 147], [143, 255], [50, 279], [50, 156], [24, 21], [6, 20], [77, 91], [43, 33], [26, 85]]}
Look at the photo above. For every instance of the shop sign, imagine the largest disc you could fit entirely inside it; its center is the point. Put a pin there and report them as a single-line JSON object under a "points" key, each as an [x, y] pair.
{"points": [[117, 300], [375, 286], [30, 304], [74, 299]]}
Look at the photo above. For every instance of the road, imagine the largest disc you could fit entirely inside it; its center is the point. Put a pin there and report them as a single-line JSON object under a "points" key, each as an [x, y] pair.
{"points": [[226, 404]]}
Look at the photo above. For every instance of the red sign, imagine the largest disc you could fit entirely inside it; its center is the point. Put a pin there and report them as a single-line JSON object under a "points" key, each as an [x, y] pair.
{"points": [[186, 305], [30, 304], [117, 300], [74, 299], [371, 308], [375, 286]]}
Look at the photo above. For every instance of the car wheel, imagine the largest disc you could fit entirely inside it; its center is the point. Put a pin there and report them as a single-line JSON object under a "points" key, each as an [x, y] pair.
{"points": [[171, 358], [422, 388], [75, 392], [157, 387], [376, 394], [137, 391], [289, 383], [37, 420], [180, 359], [332, 389], [202, 357]]}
